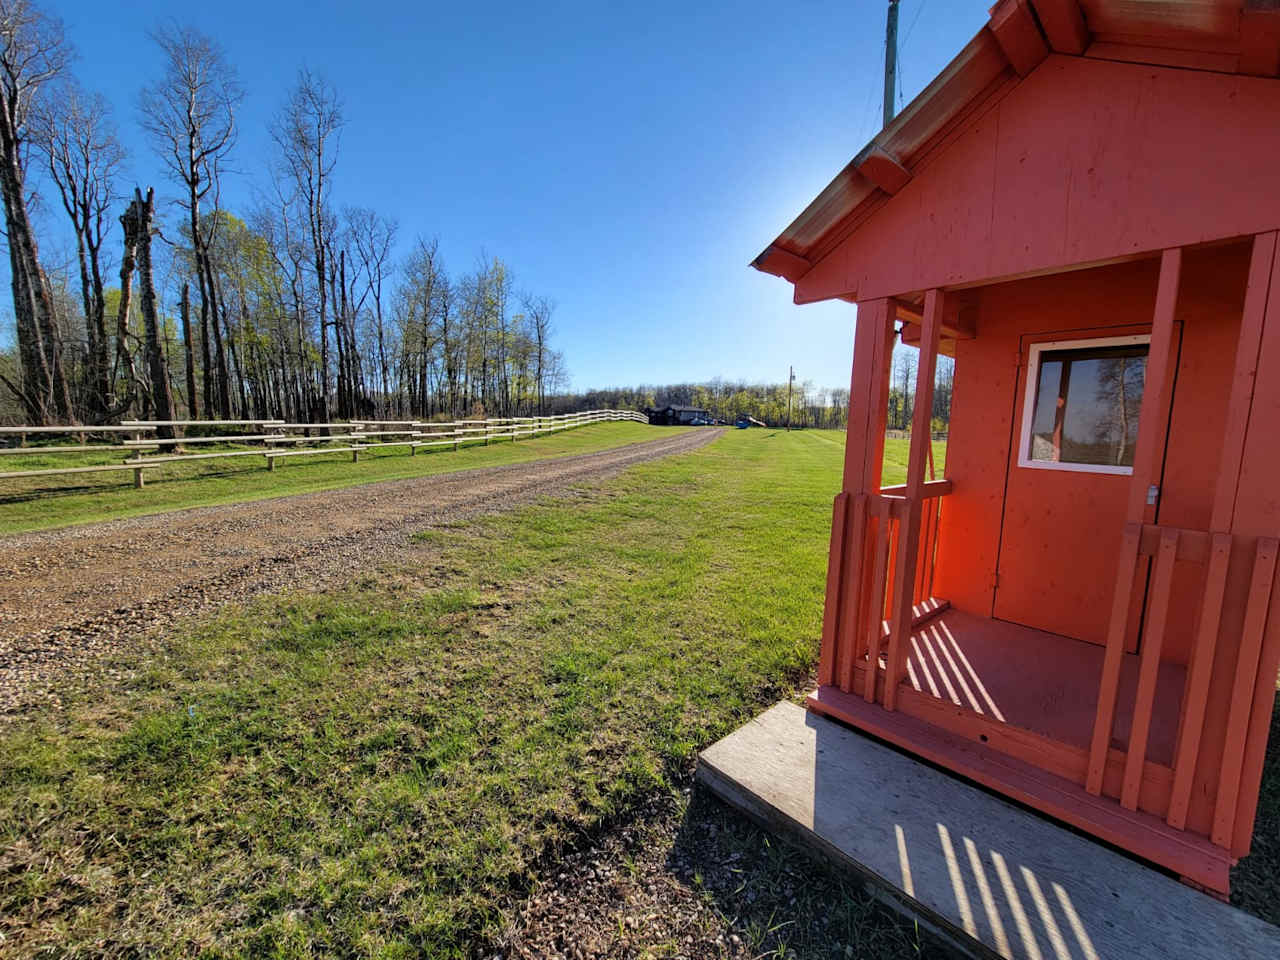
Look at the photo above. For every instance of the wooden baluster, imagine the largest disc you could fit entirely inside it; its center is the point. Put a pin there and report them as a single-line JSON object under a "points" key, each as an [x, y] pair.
{"points": [[876, 597], [1112, 660], [921, 554], [847, 638], [1260, 717], [1149, 670], [933, 551], [1255, 621], [1195, 693], [829, 655]]}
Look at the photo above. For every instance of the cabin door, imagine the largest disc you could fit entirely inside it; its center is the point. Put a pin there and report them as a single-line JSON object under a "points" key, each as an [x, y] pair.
{"points": [[1075, 426]]}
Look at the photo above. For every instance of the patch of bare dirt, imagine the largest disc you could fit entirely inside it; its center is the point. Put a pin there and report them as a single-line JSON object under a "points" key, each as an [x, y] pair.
{"points": [[69, 596]]}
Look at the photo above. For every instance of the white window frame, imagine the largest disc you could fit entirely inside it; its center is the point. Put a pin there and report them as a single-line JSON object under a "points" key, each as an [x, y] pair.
{"points": [[1029, 401]]}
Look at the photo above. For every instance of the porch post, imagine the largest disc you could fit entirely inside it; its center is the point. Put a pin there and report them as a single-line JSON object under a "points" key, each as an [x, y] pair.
{"points": [[1146, 461], [864, 451], [1254, 521], [1196, 687], [909, 527]]}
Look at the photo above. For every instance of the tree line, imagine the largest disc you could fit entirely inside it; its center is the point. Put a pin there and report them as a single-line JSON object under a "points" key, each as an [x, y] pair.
{"points": [[297, 308], [823, 408]]}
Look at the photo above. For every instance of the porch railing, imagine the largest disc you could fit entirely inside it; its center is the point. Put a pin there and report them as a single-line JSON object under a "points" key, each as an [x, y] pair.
{"points": [[870, 614], [1238, 567]]}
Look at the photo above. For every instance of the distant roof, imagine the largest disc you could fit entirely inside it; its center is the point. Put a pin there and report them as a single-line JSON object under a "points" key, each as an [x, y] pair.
{"points": [[680, 409], [1224, 36]]}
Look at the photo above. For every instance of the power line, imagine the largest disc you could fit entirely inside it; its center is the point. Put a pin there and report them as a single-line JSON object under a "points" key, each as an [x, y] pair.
{"points": [[907, 37], [902, 83]]}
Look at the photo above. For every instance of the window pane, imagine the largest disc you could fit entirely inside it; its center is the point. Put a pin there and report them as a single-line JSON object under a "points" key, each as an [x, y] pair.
{"points": [[1043, 423], [1087, 404]]}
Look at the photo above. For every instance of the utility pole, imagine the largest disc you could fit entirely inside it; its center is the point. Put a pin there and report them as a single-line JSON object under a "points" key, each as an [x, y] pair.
{"points": [[890, 61], [791, 378]]}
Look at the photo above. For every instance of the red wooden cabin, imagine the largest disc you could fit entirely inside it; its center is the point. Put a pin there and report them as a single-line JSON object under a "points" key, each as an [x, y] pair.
{"points": [[1082, 209]]}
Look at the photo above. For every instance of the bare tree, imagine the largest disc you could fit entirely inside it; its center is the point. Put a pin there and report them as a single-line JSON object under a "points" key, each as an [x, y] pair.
{"points": [[33, 52], [190, 113], [74, 132], [373, 236], [306, 131], [538, 310]]}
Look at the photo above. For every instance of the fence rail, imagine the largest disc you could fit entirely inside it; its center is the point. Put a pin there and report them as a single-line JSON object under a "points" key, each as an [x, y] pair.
{"points": [[143, 451]]}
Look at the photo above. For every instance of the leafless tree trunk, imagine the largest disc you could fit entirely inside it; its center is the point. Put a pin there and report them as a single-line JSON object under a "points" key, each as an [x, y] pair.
{"points": [[190, 114], [75, 134], [306, 132], [193, 405], [33, 51], [373, 237], [128, 263], [539, 310], [138, 223]]}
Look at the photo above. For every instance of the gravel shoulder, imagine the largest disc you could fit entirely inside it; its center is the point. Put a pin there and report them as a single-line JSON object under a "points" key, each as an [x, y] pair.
{"points": [[67, 596]]}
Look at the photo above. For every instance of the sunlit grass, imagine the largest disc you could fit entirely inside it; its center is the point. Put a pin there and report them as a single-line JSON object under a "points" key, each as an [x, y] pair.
{"points": [[369, 772]]}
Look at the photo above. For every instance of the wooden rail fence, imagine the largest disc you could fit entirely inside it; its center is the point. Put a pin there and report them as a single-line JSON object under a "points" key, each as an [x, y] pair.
{"points": [[144, 451]]}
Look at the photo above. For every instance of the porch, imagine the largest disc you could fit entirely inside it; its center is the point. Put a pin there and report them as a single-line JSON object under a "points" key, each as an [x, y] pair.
{"points": [[1121, 676], [1002, 680]]}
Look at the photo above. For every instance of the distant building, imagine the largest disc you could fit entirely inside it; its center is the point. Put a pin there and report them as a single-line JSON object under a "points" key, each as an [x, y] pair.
{"points": [[673, 416]]}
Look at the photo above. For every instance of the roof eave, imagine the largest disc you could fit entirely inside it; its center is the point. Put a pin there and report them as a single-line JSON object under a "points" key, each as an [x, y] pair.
{"points": [[886, 164]]}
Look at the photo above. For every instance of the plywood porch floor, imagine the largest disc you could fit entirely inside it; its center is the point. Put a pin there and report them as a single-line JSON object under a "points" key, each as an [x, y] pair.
{"points": [[1038, 681]]}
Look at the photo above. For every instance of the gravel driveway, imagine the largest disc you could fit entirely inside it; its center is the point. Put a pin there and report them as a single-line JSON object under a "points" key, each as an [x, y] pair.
{"points": [[67, 596]]}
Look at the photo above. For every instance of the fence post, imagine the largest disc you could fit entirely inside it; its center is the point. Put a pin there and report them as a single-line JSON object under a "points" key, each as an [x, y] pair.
{"points": [[138, 481]]}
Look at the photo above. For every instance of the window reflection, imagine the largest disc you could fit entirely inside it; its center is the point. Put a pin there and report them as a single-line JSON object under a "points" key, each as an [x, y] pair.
{"points": [[1086, 405]]}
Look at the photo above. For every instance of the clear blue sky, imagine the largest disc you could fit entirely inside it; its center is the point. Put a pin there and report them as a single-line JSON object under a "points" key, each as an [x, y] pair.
{"points": [[628, 161]]}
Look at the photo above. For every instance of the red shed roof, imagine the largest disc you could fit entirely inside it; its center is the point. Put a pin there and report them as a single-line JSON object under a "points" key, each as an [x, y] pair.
{"points": [[1226, 36]]}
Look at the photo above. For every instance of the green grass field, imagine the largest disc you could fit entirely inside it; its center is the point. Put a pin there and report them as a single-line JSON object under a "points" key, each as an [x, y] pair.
{"points": [[44, 502], [368, 772], [896, 453], [374, 771]]}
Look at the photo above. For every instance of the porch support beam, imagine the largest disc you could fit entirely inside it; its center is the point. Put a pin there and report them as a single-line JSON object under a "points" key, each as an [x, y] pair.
{"points": [[1157, 394], [959, 322], [883, 169], [864, 455], [909, 528], [1018, 35]]}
